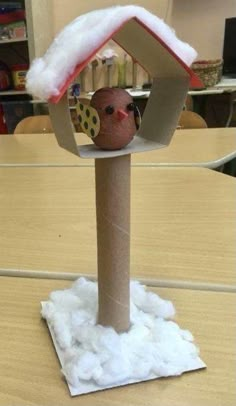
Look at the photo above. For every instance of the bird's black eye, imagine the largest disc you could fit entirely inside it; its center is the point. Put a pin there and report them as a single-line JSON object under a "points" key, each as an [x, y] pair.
{"points": [[130, 106], [109, 109]]}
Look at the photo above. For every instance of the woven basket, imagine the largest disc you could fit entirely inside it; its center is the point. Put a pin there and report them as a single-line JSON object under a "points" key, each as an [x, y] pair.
{"points": [[209, 71]]}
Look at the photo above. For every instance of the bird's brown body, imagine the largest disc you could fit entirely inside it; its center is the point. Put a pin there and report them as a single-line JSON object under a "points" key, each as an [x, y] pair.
{"points": [[117, 122]]}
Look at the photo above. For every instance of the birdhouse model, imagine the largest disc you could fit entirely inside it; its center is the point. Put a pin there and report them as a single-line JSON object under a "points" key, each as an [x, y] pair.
{"points": [[114, 125], [149, 41]]}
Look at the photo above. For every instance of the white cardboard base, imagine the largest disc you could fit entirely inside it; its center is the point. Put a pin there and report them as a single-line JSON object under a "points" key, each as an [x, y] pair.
{"points": [[84, 387], [89, 387]]}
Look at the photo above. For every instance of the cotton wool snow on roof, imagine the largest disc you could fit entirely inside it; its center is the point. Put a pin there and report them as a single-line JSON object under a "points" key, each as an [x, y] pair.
{"points": [[79, 41]]}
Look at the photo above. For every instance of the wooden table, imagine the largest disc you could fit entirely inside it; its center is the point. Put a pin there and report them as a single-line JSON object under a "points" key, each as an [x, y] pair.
{"points": [[30, 372], [199, 147], [183, 224]]}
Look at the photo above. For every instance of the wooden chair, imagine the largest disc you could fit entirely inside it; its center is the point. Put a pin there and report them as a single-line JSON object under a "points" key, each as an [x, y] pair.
{"points": [[34, 125], [188, 103], [189, 119], [232, 109]]}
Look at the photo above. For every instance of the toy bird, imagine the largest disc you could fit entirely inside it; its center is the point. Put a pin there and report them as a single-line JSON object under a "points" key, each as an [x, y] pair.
{"points": [[111, 120]]}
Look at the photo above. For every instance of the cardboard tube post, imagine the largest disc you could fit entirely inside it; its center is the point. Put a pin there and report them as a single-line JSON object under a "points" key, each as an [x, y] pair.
{"points": [[113, 241]]}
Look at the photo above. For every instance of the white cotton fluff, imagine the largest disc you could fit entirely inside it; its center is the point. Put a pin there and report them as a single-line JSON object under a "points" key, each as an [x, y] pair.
{"points": [[83, 36], [154, 344]]}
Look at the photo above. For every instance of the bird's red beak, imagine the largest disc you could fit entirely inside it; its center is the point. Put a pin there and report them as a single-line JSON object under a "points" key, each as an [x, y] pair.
{"points": [[121, 114]]}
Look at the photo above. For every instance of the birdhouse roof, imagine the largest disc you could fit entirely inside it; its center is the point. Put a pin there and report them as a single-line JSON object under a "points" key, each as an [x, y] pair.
{"points": [[145, 37]]}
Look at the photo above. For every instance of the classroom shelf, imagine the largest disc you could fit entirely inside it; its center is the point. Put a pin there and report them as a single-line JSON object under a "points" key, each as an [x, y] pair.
{"points": [[13, 40], [12, 92]]}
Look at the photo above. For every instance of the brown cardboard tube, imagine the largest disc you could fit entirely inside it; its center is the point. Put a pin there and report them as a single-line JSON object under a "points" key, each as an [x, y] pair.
{"points": [[113, 241]]}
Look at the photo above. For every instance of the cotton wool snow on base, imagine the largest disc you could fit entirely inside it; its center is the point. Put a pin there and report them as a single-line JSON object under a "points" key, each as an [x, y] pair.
{"points": [[94, 357]]}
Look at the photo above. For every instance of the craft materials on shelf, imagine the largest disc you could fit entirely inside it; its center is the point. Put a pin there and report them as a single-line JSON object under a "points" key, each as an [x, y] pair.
{"points": [[75, 90], [94, 65], [19, 72], [3, 126], [5, 77], [209, 71], [82, 81], [148, 83], [122, 70], [12, 20], [108, 59]]}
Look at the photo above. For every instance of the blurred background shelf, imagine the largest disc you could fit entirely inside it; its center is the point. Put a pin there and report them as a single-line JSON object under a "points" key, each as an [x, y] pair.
{"points": [[19, 47], [12, 40], [12, 92]]}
